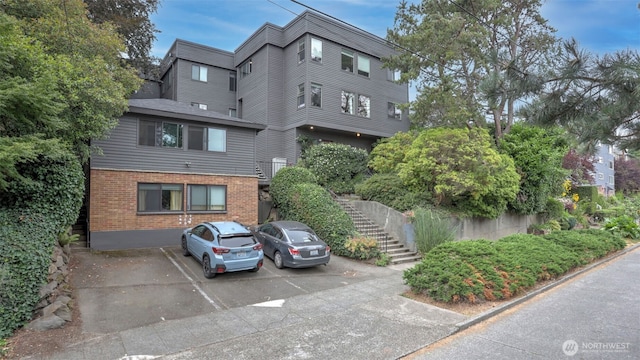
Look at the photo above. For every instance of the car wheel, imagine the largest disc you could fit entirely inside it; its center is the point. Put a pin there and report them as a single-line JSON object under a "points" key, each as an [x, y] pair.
{"points": [[185, 251], [206, 268], [277, 259]]}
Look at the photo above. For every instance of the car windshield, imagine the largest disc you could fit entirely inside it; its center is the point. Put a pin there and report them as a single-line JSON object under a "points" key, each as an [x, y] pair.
{"points": [[300, 235], [237, 240]]}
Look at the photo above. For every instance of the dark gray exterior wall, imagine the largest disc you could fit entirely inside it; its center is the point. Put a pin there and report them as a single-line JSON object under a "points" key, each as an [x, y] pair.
{"points": [[271, 98], [121, 151], [215, 91]]}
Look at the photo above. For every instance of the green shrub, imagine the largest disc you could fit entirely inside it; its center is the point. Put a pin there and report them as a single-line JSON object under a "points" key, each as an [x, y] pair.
{"points": [[483, 270], [587, 244], [33, 211], [362, 247], [624, 226], [389, 190], [432, 228], [338, 167], [24, 265], [313, 205], [383, 259], [554, 210], [283, 182]]}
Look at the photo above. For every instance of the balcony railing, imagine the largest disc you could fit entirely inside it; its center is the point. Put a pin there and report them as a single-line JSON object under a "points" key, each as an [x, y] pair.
{"points": [[267, 169]]}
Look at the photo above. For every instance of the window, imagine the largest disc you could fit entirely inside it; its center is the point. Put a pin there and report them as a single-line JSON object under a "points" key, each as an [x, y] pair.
{"points": [[301, 50], [316, 95], [347, 60], [233, 84], [600, 176], [159, 197], [316, 50], [246, 68], [300, 96], [347, 103], [233, 113], [394, 111], [156, 133], [207, 198], [199, 106], [363, 66], [393, 75], [610, 179], [610, 164], [199, 73], [364, 106], [209, 139]]}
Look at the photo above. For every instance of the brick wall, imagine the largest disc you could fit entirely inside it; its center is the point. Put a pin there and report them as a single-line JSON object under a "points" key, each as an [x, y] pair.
{"points": [[113, 200]]}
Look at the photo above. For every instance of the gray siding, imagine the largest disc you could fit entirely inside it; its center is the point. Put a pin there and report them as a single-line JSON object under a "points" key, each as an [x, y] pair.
{"points": [[214, 92], [121, 151]]}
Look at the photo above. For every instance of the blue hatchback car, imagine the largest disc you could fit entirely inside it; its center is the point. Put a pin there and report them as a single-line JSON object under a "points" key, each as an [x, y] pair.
{"points": [[222, 246]]}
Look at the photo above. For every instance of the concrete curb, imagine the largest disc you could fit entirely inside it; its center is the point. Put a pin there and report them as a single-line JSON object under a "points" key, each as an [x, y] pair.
{"points": [[493, 312]]}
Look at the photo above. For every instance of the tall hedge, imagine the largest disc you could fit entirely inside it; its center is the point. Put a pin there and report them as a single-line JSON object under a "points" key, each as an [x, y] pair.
{"points": [[313, 205], [338, 167], [34, 210], [283, 181]]}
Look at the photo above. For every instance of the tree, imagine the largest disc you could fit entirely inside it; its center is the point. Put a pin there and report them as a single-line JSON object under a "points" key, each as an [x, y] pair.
{"points": [[389, 152], [471, 58], [627, 175], [131, 19], [597, 98], [537, 153], [580, 166], [462, 170], [75, 76]]}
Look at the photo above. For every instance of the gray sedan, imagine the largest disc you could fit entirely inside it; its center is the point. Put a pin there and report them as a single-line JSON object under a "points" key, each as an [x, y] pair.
{"points": [[292, 244]]}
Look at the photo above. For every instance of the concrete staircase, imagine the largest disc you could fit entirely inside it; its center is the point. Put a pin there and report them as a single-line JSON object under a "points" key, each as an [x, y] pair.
{"points": [[397, 252]]}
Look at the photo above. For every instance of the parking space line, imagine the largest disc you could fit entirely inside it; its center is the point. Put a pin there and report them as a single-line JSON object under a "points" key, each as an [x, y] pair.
{"points": [[193, 282]]}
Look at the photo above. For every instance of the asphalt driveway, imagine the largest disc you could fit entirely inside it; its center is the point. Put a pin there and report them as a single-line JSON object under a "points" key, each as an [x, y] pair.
{"points": [[120, 290]]}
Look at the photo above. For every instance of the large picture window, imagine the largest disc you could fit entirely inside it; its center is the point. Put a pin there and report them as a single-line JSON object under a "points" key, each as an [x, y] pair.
{"points": [[159, 197], [347, 103], [199, 73], [246, 68], [157, 133], [364, 106], [209, 139], [394, 111], [316, 95], [207, 198], [364, 67], [316, 50], [347, 60]]}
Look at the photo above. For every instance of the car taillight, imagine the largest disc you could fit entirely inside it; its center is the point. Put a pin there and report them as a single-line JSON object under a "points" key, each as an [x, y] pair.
{"points": [[219, 250], [257, 247], [328, 248], [294, 251]]}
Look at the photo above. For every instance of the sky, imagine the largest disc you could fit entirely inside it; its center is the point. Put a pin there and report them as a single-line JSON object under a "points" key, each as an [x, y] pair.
{"points": [[599, 26]]}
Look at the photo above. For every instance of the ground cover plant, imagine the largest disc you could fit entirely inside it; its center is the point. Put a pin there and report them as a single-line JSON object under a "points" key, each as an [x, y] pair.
{"points": [[482, 270]]}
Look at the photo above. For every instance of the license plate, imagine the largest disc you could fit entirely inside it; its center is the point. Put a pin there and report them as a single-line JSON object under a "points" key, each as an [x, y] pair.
{"points": [[313, 253], [241, 254]]}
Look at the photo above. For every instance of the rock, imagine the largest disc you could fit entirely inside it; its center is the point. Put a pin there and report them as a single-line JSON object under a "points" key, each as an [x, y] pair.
{"points": [[64, 313], [46, 323]]}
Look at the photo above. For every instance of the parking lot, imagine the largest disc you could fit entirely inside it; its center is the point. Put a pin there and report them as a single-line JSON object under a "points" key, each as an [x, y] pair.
{"points": [[120, 290]]}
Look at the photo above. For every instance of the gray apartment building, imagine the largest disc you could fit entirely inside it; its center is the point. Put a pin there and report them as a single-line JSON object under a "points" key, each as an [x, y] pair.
{"points": [[198, 145], [314, 77]]}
